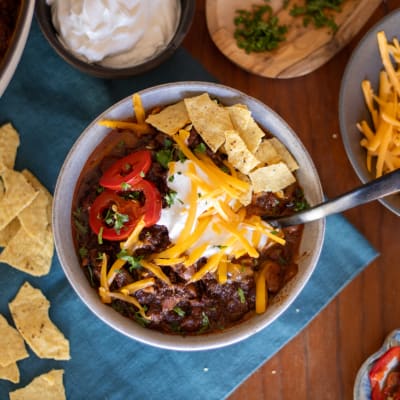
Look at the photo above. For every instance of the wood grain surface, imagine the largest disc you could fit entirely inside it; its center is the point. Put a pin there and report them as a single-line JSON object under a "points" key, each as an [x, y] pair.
{"points": [[305, 48], [322, 361]]}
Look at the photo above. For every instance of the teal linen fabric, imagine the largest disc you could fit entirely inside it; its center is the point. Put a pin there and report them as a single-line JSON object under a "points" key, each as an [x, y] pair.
{"points": [[50, 104]]}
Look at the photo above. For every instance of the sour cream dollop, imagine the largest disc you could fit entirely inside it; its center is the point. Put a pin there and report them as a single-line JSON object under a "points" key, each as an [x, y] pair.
{"points": [[115, 33]]}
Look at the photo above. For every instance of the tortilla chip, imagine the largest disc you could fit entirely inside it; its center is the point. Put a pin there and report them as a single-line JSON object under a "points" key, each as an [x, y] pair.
{"points": [[9, 231], [200, 108], [9, 142], [245, 125], [246, 197], [170, 119], [284, 153], [267, 153], [11, 344], [10, 373], [238, 153], [28, 254], [18, 195], [47, 386], [30, 311], [37, 185], [271, 178]]}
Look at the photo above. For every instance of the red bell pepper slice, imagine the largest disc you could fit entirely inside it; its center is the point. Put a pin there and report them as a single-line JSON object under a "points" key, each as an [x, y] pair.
{"points": [[153, 202], [123, 216], [380, 370], [128, 170]]}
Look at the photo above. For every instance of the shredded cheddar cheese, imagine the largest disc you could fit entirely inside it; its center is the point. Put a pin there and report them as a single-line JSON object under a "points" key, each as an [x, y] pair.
{"points": [[381, 141]]}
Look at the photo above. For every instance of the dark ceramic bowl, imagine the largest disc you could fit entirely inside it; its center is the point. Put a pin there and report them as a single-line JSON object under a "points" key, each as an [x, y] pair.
{"points": [[12, 56], [43, 15]]}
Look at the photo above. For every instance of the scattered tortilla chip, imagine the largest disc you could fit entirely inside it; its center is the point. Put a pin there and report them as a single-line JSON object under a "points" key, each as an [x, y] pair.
{"points": [[47, 386], [267, 153], [271, 178], [246, 197], [247, 128], [29, 310], [18, 195], [36, 184], [200, 108], [10, 373], [284, 153], [170, 119], [28, 254], [9, 231], [238, 153], [9, 142], [12, 346]]}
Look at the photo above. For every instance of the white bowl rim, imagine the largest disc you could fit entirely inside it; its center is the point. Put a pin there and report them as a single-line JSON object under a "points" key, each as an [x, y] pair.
{"points": [[88, 295]]}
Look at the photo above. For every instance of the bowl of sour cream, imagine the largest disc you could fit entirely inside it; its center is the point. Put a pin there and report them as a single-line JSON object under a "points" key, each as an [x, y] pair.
{"points": [[115, 39]]}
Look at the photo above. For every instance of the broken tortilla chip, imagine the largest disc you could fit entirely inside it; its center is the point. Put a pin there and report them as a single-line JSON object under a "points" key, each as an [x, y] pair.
{"points": [[28, 254], [271, 178], [200, 108], [238, 154], [10, 373], [267, 153], [9, 142], [30, 311], [284, 153], [47, 386], [18, 194], [8, 232], [245, 125], [12, 346], [170, 119]]}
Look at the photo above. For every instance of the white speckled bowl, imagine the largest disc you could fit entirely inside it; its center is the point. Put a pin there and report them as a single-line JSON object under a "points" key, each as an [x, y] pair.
{"points": [[92, 136], [362, 387], [17, 45]]}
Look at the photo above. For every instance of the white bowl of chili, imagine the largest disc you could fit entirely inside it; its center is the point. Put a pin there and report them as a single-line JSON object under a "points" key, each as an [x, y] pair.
{"points": [[187, 290]]}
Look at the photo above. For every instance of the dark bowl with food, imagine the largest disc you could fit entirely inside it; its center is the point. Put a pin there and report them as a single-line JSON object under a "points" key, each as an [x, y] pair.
{"points": [[15, 24], [115, 49], [158, 216]]}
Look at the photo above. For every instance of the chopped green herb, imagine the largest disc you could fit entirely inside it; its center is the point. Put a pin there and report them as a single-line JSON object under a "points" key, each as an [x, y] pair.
{"points": [[200, 148], [83, 252], [241, 295], [82, 229], [181, 156], [100, 236], [205, 322], [315, 11], [301, 205], [258, 30], [116, 220], [99, 189], [171, 197], [179, 311], [141, 320], [134, 262], [91, 276], [164, 156], [125, 186], [142, 174], [167, 143], [171, 178]]}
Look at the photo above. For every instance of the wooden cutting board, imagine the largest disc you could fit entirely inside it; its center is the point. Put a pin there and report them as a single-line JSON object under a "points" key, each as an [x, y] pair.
{"points": [[305, 48]]}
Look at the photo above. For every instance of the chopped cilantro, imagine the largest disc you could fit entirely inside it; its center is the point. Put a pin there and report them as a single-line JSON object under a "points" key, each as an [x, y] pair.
{"points": [[200, 148], [83, 252], [100, 236], [125, 186], [134, 262], [205, 322], [179, 311], [171, 197], [241, 295], [164, 156], [115, 219], [171, 178]]}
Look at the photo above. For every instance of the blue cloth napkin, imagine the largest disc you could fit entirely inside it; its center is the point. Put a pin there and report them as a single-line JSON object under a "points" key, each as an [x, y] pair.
{"points": [[50, 104]]}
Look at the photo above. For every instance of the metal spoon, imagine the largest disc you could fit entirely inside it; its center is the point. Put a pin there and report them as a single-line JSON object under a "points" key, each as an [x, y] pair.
{"points": [[373, 190]]}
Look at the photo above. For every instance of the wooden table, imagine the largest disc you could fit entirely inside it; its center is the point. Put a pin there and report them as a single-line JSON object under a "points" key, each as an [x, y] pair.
{"points": [[322, 361]]}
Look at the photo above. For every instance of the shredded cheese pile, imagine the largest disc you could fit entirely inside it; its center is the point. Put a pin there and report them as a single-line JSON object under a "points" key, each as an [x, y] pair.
{"points": [[223, 192], [382, 140]]}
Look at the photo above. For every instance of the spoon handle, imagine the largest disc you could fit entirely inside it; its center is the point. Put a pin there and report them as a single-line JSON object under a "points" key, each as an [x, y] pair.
{"points": [[373, 190]]}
